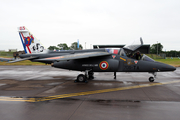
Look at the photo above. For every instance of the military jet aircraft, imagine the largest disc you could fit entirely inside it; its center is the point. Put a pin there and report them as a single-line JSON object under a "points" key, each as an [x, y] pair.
{"points": [[90, 60]]}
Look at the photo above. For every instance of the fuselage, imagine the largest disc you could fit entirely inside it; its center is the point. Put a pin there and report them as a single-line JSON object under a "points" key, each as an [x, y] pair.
{"points": [[110, 63], [117, 64]]}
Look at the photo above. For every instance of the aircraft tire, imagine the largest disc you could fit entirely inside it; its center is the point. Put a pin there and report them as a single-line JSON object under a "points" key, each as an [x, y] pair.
{"points": [[81, 78], [151, 79]]}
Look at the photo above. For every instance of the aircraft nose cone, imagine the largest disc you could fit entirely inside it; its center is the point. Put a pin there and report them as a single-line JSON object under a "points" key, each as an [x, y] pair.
{"points": [[165, 67], [173, 68]]}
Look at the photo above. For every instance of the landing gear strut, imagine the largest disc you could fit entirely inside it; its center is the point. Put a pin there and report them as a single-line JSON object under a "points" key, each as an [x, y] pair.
{"points": [[114, 75], [151, 79], [84, 77], [91, 75]]}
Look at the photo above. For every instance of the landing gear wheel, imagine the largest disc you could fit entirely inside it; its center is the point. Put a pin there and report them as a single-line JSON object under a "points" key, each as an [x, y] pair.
{"points": [[84, 78], [151, 79], [81, 78]]}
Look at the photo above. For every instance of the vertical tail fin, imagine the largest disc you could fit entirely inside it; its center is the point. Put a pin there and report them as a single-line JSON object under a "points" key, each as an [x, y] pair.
{"points": [[29, 42]]}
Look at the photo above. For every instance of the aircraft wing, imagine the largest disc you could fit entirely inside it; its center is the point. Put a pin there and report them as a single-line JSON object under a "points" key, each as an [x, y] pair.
{"points": [[75, 56], [6, 59], [18, 60]]}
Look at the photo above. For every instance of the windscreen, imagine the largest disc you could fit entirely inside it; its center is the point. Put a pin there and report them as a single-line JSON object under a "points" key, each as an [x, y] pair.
{"points": [[146, 58], [121, 52]]}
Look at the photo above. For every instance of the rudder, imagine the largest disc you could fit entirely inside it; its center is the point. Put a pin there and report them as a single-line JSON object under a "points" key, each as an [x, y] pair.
{"points": [[29, 42]]}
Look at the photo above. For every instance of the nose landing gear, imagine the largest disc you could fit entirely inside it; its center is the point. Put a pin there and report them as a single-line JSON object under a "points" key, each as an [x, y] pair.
{"points": [[151, 79], [114, 75]]}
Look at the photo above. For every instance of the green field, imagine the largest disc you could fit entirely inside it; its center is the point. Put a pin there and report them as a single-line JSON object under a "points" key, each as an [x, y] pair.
{"points": [[6, 54], [10, 55], [26, 62], [174, 62]]}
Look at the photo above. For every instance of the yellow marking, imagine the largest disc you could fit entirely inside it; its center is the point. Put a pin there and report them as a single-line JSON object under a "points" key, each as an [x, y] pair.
{"points": [[84, 93], [15, 99], [154, 68], [122, 59]]}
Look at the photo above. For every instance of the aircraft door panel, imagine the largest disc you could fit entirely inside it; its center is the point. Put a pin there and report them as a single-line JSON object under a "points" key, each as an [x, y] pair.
{"points": [[120, 67]]}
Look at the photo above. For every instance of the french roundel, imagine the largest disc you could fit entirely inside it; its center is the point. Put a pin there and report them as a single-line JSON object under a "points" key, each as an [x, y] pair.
{"points": [[104, 65]]}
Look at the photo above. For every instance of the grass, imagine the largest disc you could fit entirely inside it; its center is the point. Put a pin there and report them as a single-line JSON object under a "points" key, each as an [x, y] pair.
{"points": [[6, 54], [26, 62], [154, 56], [174, 62]]}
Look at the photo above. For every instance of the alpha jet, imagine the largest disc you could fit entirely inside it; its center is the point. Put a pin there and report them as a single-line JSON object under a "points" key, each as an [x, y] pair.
{"points": [[90, 60]]}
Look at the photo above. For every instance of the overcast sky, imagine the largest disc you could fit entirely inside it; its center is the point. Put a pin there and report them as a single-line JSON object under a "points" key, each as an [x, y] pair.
{"points": [[91, 21]]}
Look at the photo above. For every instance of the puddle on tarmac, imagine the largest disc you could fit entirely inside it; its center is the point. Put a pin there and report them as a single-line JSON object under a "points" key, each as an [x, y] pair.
{"points": [[55, 83], [2, 84]]}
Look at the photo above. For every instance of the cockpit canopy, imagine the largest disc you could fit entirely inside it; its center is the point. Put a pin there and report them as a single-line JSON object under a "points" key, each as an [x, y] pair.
{"points": [[130, 51], [121, 52], [134, 46]]}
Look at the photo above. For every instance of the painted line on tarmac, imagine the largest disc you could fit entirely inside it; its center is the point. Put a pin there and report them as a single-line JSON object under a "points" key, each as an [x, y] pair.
{"points": [[16, 99], [84, 93]]}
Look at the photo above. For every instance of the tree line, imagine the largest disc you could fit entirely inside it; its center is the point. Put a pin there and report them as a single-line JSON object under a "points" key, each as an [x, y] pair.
{"points": [[157, 49], [64, 46]]}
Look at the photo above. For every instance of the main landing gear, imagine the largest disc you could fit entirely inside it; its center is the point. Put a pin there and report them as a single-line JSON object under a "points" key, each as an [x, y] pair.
{"points": [[89, 75], [151, 79], [114, 75]]}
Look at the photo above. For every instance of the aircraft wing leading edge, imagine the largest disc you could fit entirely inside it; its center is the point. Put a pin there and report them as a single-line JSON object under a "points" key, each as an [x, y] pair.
{"points": [[18, 60], [6, 59], [75, 56]]}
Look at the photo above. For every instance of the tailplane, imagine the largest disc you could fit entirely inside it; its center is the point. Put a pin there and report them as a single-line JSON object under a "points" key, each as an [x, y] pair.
{"points": [[29, 42]]}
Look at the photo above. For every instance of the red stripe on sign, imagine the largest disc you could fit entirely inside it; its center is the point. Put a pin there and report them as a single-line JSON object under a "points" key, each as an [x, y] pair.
{"points": [[115, 51]]}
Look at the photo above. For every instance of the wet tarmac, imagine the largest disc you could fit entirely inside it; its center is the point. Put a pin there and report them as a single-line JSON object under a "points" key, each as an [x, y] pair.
{"points": [[43, 92]]}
